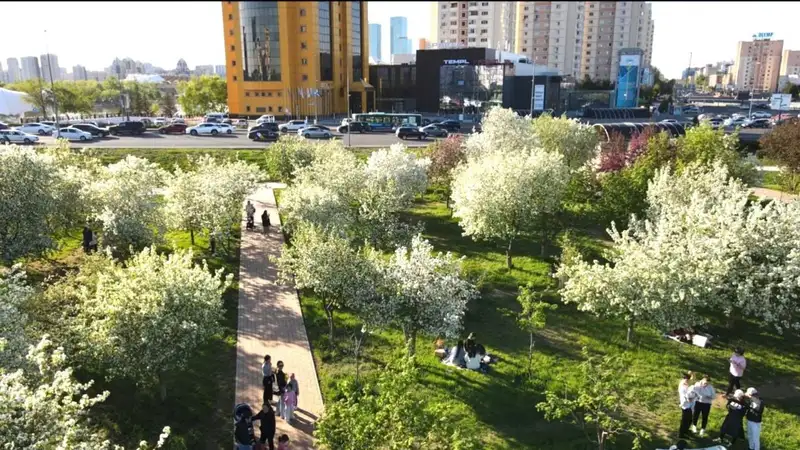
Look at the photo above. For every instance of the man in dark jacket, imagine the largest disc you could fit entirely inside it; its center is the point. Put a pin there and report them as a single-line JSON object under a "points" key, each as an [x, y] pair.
{"points": [[265, 220], [267, 425], [243, 428], [281, 381], [87, 239]]}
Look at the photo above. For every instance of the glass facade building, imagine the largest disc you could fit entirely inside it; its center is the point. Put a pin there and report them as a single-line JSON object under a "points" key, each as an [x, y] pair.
{"points": [[356, 41], [261, 50], [399, 44], [375, 42], [325, 42]]}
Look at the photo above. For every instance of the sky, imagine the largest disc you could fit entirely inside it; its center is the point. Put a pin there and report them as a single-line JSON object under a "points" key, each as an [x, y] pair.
{"points": [[163, 32]]}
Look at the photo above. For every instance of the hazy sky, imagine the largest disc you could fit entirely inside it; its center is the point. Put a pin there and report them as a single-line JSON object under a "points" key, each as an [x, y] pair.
{"points": [[93, 34]]}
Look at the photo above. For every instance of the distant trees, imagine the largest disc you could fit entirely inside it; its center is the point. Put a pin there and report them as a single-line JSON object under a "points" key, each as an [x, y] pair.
{"points": [[203, 94], [783, 146]]}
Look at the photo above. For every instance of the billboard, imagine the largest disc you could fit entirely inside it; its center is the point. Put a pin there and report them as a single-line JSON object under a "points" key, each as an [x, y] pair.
{"points": [[628, 79], [538, 97], [780, 102]]}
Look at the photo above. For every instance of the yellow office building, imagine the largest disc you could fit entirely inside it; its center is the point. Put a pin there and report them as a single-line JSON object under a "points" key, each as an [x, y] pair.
{"points": [[296, 58]]}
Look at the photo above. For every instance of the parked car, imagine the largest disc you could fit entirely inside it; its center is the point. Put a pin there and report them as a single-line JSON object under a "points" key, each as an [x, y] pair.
{"points": [[17, 137], [292, 125], [434, 130], [241, 123], [226, 127], [760, 115], [160, 121], [147, 122], [315, 131], [757, 123], [451, 125], [94, 130], [355, 127], [3, 126], [267, 131], [178, 120], [215, 117], [404, 132], [205, 128], [265, 118], [669, 121], [735, 122], [49, 123], [36, 128], [131, 128], [179, 128], [73, 134], [715, 123]]}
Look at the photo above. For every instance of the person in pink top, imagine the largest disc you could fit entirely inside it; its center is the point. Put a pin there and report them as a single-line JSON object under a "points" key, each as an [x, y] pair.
{"points": [[736, 371], [289, 402]]}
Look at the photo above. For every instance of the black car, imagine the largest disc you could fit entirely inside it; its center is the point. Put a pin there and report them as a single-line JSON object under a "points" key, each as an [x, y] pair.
{"points": [[405, 132], [267, 131], [131, 128], [355, 127], [89, 128], [451, 125]]}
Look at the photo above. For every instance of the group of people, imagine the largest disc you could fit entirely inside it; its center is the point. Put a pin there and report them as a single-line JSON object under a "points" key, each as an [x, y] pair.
{"points": [[466, 354], [251, 221], [695, 402], [277, 383], [243, 429]]}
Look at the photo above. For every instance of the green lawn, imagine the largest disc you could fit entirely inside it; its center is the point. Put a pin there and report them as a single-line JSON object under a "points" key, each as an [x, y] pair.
{"points": [[503, 402]]}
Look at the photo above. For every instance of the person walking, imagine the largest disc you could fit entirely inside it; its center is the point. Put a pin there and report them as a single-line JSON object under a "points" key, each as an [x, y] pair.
{"points": [[289, 403], [280, 380], [732, 426], [265, 220], [686, 399], [251, 212], [755, 409], [705, 396], [736, 370], [87, 239], [267, 378], [266, 425]]}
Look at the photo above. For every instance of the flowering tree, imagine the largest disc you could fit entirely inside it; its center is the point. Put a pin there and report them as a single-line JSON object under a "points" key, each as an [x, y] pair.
{"points": [[445, 156], [613, 154], [292, 152], [503, 131], [145, 319], [14, 294], [125, 200], [575, 141], [502, 196], [326, 264], [423, 292]]}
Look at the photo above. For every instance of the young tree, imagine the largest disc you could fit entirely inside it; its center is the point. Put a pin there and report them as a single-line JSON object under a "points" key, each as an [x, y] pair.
{"points": [[613, 155], [202, 94], [575, 141], [446, 155], [167, 105], [35, 93], [423, 292], [504, 131], [48, 408], [145, 320], [393, 413], [292, 152], [706, 146], [533, 315], [502, 196], [595, 403], [124, 199], [783, 145]]}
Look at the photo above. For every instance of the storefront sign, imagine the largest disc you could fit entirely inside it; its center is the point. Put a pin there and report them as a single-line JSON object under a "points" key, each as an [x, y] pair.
{"points": [[456, 62], [538, 97], [760, 36]]}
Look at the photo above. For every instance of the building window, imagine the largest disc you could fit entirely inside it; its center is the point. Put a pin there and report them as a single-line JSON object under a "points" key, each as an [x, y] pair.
{"points": [[233, 48], [305, 77], [269, 108], [230, 32], [302, 12], [303, 28], [260, 109], [280, 108], [357, 42], [247, 94], [303, 46], [247, 108], [233, 63], [303, 61], [325, 39], [230, 16], [261, 50], [269, 94]]}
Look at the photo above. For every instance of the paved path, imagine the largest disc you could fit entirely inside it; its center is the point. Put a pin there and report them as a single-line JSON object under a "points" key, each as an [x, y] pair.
{"points": [[773, 194], [271, 322]]}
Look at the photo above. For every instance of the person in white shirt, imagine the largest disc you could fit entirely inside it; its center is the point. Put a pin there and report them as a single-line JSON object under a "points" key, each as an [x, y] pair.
{"points": [[473, 359], [686, 399], [736, 370], [705, 396]]}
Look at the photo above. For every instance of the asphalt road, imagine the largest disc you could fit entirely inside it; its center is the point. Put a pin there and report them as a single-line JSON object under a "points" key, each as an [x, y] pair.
{"points": [[237, 140]]}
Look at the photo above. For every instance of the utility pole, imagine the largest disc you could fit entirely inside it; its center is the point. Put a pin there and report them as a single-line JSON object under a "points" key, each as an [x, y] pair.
{"points": [[348, 109], [52, 84], [533, 63]]}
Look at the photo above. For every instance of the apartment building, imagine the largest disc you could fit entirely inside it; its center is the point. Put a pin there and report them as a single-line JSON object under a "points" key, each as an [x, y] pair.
{"points": [[790, 63], [296, 58], [475, 24], [30, 68], [13, 73], [757, 65], [49, 64]]}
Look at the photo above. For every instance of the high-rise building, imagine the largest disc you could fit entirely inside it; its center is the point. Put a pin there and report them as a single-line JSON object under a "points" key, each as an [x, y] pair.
{"points": [[182, 67], [30, 68], [296, 58], [79, 73], [13, 73], [475, 24], [790, 63], [204, 70], [375, 41], [49, 67], [757, 64], [399, 42], [219, 70]]}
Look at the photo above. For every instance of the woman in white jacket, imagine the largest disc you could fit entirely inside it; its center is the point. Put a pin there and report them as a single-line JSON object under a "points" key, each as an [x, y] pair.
{"points": [[705, 395]]}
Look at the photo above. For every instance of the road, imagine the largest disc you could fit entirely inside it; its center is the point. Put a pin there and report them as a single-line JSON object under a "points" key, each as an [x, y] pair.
{"points": [[236, 140]]}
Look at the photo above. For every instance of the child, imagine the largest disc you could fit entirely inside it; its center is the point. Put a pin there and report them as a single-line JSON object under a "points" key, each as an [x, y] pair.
{"points": [[283, 442], [289, 403]]}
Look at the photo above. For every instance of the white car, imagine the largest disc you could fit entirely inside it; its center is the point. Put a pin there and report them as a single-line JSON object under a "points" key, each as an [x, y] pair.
{"points": [[735, 122], [669, 121], [265, 118], [159, 121], [36, 128], [178, 120], [225, 127], [205, 128], [315, 132], [292, 125], [761, 115], [17, 137], [73, 134]]}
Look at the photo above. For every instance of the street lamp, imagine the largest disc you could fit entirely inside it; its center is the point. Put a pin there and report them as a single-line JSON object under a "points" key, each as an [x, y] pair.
{"points": [[52, 83]]}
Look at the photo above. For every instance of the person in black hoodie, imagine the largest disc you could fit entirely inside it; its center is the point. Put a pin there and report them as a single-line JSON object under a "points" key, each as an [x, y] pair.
{"points": [[737, 409], [243, 427], [267, 425], [754, 412], [281, 381], [87, 239]]}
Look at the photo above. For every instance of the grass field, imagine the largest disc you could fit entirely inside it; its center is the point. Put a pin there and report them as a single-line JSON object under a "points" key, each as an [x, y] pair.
{"points": [[200, 399], [503, 403]]}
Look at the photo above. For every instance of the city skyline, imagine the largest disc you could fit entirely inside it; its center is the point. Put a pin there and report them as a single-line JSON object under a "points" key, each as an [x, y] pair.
{"points": [[709, 32]]}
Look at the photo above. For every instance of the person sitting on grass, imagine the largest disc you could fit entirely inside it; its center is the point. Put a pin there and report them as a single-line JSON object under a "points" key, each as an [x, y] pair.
{"points": [[456, 355], [473, 359]]}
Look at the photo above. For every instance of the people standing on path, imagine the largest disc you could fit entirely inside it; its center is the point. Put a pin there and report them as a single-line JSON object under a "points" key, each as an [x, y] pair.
{"points": [[280, 380], [283, 442], [289, 403], [266, 425], [265, 220], [243, 433], [732, 426], [755, 410], [736, 370], [702, 407], [251, 213], [686, 399], [267, 378]]}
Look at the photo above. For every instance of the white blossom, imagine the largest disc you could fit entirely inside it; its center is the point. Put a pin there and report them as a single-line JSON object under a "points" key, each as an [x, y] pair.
{"points": [[577, 142], [504, 131], [14, 294]]}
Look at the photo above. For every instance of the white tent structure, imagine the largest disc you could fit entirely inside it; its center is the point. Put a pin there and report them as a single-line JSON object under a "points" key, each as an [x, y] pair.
{"points": [[13, 103]]}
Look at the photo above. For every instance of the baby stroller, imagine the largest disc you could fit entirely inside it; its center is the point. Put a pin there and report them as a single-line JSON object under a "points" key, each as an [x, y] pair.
{"points": [[251, 223]]}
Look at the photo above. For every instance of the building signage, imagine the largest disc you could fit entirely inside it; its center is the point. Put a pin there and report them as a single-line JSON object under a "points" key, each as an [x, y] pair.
{"points": [[780, 102], [441, 45], [538, 97], [764, 36], [456, 62]]}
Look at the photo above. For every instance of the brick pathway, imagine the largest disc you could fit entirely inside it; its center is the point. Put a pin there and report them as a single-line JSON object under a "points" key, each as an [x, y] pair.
{"points": [[271, 322], [773, 194]]}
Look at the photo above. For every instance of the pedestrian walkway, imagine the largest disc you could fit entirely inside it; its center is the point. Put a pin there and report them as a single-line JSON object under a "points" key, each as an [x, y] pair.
{"points": [[773, 194], [271, 322]]}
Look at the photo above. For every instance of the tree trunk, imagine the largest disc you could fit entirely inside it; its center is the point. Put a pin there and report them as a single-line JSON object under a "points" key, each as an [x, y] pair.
{"points": [[631, 323], [191, 236], [358, 345], [601, 440], [329, 316], [530, 356], [162, 387], [411, 340], [509, 264]]}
